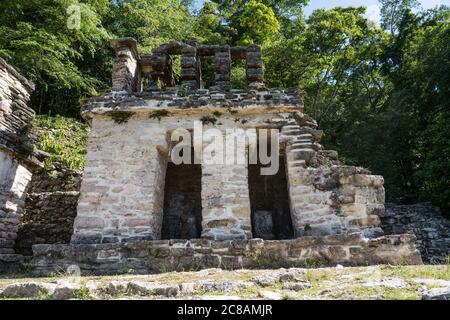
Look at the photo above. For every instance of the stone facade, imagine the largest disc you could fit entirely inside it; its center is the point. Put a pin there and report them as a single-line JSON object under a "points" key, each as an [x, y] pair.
{"points": [[426, 223], [126, 205], [125, 196], [16, 156]]}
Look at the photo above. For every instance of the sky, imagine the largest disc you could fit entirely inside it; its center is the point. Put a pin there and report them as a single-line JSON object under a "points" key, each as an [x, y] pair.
{"points": [[373, 9]]}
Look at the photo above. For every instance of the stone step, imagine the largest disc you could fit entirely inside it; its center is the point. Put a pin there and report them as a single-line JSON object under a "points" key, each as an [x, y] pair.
{"points": [[290, 128], [297, 163], [300, 190], [301, 154], [301, 145], [299, 140], [305, 136]]}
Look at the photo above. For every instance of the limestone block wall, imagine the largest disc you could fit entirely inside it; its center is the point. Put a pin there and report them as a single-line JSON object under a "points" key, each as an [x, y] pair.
{"points": [[425, 222], [122, 193], [121, 196], [226, 202], [50, 209]]}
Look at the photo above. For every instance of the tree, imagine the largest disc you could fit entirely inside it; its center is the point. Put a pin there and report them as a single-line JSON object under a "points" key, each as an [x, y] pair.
{"points": [[256, 23], [35, 38], [392, 12], [152, 22]]}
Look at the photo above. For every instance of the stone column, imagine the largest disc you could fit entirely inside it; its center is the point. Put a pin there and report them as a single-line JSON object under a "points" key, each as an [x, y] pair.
{"points": [[223, 67], [122, 192], [254, 67], [126, 74], [189, 68], [226, 212]]}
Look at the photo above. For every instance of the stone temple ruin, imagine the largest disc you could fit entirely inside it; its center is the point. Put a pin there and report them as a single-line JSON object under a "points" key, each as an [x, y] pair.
{"points": [[139, 210]]}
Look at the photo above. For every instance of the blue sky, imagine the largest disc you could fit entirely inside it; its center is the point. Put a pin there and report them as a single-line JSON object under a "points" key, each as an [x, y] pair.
{"points": [[373, 9]]}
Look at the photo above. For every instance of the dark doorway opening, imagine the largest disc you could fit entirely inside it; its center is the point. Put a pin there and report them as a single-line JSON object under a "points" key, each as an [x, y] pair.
{"points": [[269, 201], [182, 217]]}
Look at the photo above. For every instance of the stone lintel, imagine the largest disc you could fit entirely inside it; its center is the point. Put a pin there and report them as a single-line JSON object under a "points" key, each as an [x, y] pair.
{"points": [[126, 43]]}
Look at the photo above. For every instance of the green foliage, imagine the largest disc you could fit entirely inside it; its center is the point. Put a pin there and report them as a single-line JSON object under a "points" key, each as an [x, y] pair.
{"points": [[82, 293], [152, 22], [208, 120], [35, 39], [63, 138], [159, 114], [257, 23], [120, 117], [392, 12], [380, 94]]}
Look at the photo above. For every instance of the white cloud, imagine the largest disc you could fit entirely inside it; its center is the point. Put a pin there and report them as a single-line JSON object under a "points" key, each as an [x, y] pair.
{"points": [[373, 12]]}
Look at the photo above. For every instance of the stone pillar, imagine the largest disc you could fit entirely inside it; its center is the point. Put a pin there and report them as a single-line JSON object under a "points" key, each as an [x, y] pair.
{"points": [[122, 192], [189, 68], [223, 67], [254, 67], [226, 212], [126, 74], [14, 180]]}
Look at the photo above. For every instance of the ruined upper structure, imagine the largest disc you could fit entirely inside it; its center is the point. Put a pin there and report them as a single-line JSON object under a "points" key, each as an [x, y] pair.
{"points": [[130, 68]]}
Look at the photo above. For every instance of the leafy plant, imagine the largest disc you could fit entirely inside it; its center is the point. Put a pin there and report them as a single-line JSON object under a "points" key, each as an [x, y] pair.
{"points": [[65, 139]]}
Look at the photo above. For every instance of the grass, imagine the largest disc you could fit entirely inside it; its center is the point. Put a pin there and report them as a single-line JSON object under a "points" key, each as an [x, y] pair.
{"points": [[327, 283]]}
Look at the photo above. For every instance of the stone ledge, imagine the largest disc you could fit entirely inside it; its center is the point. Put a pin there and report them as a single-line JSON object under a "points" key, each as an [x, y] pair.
{"points": [[197, 99], [182, 255]]}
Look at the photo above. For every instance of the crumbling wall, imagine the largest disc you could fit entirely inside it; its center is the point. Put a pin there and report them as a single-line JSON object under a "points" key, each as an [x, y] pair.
{"points": [[16, 156], [326, 197], [15, 114], [50, 209], [424, 221]]}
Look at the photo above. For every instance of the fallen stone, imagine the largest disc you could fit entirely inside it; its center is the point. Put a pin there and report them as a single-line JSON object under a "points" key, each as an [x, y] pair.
{"points": [[434, 282], [187, 288], [270, 295], [65, 290], [266, 280], [28, 290], [145, 289], [222, 286], [437, 294], [115, 288], [297, 286], [389, 282]]}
